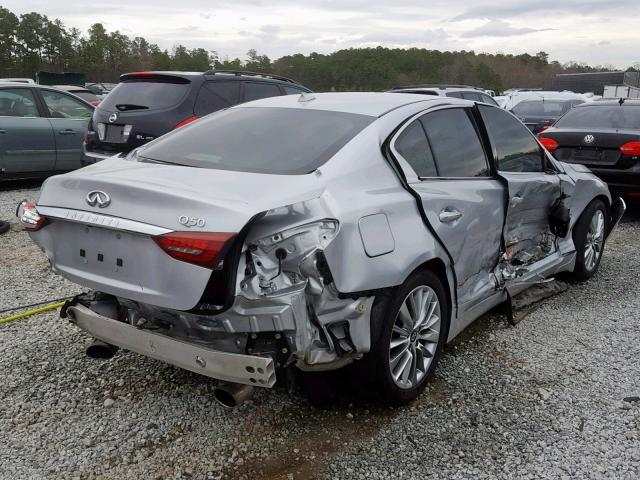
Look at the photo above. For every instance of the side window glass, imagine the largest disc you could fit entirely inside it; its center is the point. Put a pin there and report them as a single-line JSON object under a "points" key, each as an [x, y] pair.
{"points": [[487, 99], [455, 143], [454, 94], [61, 105], [257, 90], [471, 96], [412, 144], [292, 90], [214, 96], [17, 102], [515, 147]]}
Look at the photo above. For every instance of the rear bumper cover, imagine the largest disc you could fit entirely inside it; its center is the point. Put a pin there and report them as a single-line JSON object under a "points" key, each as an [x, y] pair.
{"points": [[230, 367]]}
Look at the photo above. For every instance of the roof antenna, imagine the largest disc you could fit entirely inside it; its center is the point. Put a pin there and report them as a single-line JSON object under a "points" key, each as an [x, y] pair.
{"points": [[306, 97], [621, 101]]}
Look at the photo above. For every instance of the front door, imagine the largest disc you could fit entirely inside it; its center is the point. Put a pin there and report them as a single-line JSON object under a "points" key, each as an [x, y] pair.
{"points": [[532, 188], [27, 144], [68, 117], [463, 202]]}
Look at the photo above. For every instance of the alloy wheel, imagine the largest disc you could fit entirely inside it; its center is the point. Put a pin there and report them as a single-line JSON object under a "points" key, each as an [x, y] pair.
{"points": [[594, 241], [414, 338]]}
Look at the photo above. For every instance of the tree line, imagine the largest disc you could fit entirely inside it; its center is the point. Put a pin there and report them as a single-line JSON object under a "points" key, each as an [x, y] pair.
{"points": [[32, 42]]}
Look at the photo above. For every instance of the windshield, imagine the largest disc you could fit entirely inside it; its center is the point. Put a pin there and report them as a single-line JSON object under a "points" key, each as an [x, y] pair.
{"points": [[544, 107], [286, 141], [610, 116], [137, 95]]}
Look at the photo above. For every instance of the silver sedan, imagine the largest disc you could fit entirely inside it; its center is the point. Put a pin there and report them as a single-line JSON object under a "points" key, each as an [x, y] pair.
{"points": [[315, 231]]}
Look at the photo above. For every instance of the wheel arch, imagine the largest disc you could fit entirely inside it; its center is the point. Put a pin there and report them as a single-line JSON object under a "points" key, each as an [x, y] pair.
{"points": [[435, 265], [439, 268]]}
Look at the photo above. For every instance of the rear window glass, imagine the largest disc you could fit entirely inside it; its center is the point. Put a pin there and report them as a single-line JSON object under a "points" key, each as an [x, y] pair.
{"points": [[256, 91], [139, 95], [215, 96], [541, 108], [287, 141], [613, 116]]}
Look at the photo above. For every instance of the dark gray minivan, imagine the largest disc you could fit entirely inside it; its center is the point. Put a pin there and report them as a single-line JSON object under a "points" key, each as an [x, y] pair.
{"points": [[146, 105]]}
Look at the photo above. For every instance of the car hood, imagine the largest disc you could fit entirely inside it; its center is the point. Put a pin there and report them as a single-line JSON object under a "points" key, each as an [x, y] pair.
{"points": [[160, 194]]}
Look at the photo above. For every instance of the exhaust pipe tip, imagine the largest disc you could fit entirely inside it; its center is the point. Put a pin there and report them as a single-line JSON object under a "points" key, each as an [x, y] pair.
{"points": [[232, 395], [101, 350]]}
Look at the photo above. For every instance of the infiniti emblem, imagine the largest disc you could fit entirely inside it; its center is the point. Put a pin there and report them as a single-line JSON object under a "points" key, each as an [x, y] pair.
{"points": [[98, 198], [589, 139], [113, 117]]}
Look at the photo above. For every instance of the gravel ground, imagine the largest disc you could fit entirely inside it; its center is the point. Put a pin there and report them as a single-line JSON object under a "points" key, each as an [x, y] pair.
{"points": [[554, 397]]}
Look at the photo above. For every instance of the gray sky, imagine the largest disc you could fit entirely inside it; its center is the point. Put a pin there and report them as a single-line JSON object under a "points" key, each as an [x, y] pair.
{"points": [[594, 31]]}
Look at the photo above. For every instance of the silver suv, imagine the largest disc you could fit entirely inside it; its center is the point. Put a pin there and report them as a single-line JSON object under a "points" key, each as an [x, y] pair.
{"points": [[313, 231], [465, 92]]}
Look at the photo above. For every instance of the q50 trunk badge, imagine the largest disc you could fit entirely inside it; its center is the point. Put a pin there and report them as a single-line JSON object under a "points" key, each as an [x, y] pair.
{"points": [[589, 139], [98, 198], [113, 117], [191, 221]]}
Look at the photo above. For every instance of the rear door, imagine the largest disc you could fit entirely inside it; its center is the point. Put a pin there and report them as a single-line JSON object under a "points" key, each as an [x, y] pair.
{"points": [[27, 143], [532, 189], [445, 163], [68, 117]]}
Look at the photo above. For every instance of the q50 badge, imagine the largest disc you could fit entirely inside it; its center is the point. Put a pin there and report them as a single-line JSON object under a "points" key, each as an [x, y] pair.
{"points": [[191, 221]]}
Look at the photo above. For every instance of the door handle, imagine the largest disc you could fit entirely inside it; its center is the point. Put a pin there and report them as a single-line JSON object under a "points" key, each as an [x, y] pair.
{"points": [[68, 131], [449, 215], [3, 131]]}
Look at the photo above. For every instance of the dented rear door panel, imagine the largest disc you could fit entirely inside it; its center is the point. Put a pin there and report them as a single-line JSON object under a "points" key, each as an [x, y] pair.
{"points": [[527, 237]]}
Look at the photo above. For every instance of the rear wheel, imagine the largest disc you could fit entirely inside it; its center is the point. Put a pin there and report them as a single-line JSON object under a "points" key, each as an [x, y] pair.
{"points": [[589, 239], [414, 326]]}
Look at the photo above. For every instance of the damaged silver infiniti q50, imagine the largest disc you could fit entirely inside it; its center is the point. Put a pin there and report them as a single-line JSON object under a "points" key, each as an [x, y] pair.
{"points": [[316, 231]]}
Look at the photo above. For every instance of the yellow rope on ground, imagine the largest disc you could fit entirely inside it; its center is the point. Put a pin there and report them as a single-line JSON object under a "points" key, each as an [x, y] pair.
{"points": [[31, 312]]}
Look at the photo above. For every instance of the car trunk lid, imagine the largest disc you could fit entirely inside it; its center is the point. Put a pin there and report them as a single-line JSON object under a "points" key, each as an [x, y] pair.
{"points": [[115, 249], [591, 148]]}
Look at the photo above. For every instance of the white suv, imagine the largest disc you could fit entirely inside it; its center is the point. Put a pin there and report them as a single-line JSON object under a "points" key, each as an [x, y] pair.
{"points": [[458, 91]]}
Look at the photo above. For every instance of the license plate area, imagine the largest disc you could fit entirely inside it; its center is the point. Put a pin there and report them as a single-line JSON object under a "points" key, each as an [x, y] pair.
{"points": [[101, 250], [588, 154], [115, 134]]}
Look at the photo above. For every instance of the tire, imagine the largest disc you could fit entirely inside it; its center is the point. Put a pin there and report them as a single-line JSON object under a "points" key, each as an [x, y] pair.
{"points": [[589, 238], [4, 227], [394, 385]]}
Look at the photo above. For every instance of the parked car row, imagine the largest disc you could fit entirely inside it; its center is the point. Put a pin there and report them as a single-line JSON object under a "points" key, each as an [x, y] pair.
{"points": [[48, 130], [309, 231]]}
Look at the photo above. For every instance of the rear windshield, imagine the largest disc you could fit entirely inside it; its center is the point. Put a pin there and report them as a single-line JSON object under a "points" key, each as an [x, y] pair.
{"points": [[137, 95], [610, 116], [286, 141], [546, 107]]}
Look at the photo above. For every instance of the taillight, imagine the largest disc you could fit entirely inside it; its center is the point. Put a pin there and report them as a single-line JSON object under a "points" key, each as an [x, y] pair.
{"points": [[29, 217], [85, 137], [186, 121], [631, 149], [542, 129], [549, 143], [95, 103], [199, 248]]}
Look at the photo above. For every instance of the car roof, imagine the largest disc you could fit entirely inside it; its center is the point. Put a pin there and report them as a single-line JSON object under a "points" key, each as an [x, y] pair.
{"points": [[610, 102], [70, 88], [373, 104], [212, 74]]}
